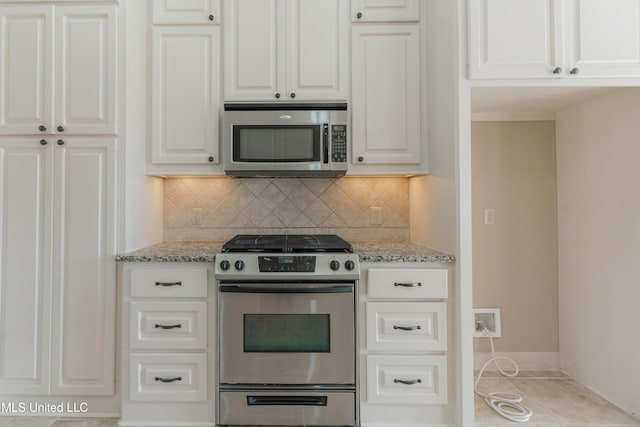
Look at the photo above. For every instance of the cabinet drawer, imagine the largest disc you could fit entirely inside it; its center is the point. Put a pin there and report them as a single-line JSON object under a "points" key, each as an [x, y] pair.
{"points": [[168, 377], [169, 283], [407, 379], [407, 283], [170, 326], [406, 326]]}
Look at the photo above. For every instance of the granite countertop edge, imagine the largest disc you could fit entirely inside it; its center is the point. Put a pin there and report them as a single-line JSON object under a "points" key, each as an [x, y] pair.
{"points": [[206, 252]]}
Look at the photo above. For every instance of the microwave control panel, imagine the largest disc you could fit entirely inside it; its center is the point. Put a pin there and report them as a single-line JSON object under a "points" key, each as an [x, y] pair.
{"points": [[339, 143]]}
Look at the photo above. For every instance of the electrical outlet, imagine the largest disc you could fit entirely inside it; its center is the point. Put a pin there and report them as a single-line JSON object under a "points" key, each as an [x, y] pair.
{"points": [[376, 216], [196, 216], [487, 322]]}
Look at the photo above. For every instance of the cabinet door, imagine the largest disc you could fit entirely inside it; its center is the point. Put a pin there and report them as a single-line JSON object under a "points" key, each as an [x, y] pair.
{"points": [[317, 50], [515, 39], [185, 94], [186, 11], [385, 10], [85, 96], [83, 295], [253, 50], [603, 38], [25, 236], [386, 94], [26, 69]]}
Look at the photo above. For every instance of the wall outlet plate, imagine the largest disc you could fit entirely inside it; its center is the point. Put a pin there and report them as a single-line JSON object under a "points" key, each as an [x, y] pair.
{"points": [[488, 318]]}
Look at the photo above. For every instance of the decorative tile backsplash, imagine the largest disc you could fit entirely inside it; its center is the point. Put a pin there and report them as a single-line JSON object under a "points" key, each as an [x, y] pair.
{"points": [[231, 206]]}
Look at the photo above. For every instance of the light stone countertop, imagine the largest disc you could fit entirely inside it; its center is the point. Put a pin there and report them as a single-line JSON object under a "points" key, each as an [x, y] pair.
{"points": [[206, 252]]}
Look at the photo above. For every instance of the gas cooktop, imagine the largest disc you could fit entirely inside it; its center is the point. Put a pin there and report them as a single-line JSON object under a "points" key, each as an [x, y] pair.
{"points": [[287, 243]]}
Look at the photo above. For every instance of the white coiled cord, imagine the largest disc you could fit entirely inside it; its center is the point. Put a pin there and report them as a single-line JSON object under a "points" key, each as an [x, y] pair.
{"points": [[506, 404]]}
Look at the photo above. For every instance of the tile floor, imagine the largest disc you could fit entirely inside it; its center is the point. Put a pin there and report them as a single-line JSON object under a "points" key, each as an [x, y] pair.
{"points": [[555, 399]]}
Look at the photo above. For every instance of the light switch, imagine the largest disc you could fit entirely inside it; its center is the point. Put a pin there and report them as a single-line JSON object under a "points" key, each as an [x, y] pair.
{"points": [[489, 216]]}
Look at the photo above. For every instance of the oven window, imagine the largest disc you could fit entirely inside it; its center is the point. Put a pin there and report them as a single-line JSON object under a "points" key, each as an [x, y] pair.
{"points": [[286, 333], [271, 143]]}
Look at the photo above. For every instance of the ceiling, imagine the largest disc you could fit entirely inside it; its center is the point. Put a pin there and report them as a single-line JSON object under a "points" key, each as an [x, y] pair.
{"points": [[532, 100]]}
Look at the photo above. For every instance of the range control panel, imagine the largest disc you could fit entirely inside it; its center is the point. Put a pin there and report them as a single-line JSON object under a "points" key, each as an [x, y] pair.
{"points": [[287, 263], [252, 266]]}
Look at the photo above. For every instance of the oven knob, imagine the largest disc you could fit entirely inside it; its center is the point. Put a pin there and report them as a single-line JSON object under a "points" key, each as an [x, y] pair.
{"points": [[334, 265], [349, 265], [224, 265], [239, 265]]}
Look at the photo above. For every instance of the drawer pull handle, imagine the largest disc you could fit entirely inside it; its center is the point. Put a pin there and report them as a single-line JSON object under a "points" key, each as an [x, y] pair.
{"points": [[157, 326], [408, 285], [408, 382], [168, 380], [168, 284], [407, 328]]}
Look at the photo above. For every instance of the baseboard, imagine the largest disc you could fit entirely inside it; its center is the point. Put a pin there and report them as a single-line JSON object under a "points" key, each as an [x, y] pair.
{"points": [[527, 361]]}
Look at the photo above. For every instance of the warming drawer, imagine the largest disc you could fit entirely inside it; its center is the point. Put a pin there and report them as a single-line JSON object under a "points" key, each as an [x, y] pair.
{"points": [[302, 408]]}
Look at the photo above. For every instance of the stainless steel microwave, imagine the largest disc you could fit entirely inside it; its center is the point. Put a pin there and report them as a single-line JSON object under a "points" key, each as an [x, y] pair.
{"points": [[285, 139]]}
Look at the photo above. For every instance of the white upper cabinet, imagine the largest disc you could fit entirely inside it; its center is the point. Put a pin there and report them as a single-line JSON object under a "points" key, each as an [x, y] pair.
{"points": [[73, 92], [286, 50], [186, 11], [516, 39], [554, 38], [385, 10], [386, 102], [185, 101], [253, 50], [317, 50], [602, 38]]}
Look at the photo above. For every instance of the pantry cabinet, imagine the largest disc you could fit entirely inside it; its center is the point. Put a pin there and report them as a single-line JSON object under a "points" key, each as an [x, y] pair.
{"points": [[553, 39], [57, 222], [284, 50], [58, 69], [386, 112]]}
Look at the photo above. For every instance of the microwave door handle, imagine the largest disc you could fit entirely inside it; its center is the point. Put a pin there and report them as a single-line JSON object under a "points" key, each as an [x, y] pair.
{"points": [[325, 142]]}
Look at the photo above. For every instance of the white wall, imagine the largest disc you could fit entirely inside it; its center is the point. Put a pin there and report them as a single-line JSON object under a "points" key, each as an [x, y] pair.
{"points": [[142, 194], [598, 149]]}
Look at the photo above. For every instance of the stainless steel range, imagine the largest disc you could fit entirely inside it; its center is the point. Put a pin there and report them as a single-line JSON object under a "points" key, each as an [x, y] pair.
{"points": [[287, 334]]}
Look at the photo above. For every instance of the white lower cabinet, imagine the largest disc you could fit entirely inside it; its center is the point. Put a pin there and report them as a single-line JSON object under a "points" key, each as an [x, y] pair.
{"points": [[404, 373], [167, 337]]}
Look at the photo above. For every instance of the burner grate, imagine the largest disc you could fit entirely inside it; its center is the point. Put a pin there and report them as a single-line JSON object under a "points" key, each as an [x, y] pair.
{"points": [[283, 243]]}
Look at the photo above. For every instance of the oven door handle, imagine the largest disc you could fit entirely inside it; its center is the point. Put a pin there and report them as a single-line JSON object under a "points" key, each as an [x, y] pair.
{"points": [[275, 289], [287, 400]]}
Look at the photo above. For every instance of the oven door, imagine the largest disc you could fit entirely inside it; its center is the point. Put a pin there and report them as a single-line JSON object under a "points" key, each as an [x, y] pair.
{"points": [[287, 334]]}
